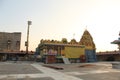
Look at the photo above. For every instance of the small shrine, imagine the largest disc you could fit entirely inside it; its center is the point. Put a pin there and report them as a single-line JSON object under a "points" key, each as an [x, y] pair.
{"points": [[117, 42], [117, 64]]}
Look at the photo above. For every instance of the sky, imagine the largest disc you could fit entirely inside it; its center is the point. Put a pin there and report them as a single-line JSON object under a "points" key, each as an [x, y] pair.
{"points": [[57, 19]]}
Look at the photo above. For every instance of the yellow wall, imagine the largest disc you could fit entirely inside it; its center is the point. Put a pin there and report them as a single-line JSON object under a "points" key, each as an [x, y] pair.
{"points": [[89, 47], [74, 52]]}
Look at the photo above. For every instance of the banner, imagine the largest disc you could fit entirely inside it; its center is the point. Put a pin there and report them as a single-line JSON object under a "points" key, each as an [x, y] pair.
{"points": [[74, 52]]}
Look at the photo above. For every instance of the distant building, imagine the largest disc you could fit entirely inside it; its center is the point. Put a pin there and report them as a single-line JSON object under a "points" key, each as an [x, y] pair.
{"points": [[10, 42], [110, 55]]}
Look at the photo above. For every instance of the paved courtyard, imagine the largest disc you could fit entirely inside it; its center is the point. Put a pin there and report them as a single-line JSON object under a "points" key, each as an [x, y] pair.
{"points": [[76, 71]]}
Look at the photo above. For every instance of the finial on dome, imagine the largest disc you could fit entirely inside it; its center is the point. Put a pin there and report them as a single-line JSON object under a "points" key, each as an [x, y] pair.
{"points": [[73, 35], [86, 28]]}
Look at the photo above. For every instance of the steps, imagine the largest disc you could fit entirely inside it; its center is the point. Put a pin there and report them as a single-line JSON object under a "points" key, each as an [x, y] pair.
{"points": [[66, 60]]}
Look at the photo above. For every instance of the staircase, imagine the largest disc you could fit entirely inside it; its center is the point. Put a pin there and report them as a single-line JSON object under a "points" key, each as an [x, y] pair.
{"points": [[66, 60]]}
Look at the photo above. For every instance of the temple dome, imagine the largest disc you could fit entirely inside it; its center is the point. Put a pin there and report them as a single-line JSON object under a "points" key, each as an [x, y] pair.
{"points": [[87, 40]]}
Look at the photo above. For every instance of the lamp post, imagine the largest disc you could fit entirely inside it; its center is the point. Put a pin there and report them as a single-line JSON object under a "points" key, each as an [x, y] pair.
{"points": [[27, 42]]}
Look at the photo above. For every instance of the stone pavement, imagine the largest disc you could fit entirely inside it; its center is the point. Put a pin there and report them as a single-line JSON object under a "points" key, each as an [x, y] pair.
{"points": [[16, 71], [35, 71], [91, 71], [55, 74], [20, 71], [17, 68]]}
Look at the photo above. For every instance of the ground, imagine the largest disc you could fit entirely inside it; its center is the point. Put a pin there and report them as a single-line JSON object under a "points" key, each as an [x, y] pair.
{"points": [[75, 71]]}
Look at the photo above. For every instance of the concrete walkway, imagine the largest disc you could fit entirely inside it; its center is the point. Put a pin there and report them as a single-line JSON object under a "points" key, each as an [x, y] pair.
{"points": [[43, 73], [35, 71], [54, 74]]}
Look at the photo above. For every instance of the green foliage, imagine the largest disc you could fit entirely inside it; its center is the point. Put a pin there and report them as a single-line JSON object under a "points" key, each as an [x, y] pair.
{"points": [[64, 40]]}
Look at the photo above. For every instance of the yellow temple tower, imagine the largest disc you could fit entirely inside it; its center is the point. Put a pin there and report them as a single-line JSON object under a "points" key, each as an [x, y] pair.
{"points": [[90, 49]]}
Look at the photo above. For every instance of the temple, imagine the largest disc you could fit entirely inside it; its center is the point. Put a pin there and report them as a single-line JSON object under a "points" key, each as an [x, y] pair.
{"points": [[53, 51]]}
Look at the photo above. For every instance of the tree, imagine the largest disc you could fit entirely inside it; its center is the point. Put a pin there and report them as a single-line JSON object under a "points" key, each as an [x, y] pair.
{"points": [[64, 40], [73, 41]]}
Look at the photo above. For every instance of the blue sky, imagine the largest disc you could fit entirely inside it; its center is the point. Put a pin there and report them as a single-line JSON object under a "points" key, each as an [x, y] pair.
{"points": [[57, 19]]}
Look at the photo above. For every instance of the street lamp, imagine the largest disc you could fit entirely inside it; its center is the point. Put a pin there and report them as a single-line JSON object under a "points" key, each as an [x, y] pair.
{"points": [[27, 42]]}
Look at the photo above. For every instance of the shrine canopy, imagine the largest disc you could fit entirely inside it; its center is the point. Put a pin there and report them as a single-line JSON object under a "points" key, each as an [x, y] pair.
{"points": [[116, 41]]}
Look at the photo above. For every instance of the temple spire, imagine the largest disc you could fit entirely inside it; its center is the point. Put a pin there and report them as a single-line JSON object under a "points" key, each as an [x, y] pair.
{"points": [[87, 40]]}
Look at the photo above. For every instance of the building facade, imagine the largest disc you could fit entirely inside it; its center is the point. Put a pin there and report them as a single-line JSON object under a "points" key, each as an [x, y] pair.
{"points": [[10, 42], [108, 56]]}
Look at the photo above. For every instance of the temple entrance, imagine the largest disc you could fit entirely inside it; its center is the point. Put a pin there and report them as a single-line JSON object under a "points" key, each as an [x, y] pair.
{"points": [[90, 55]]}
